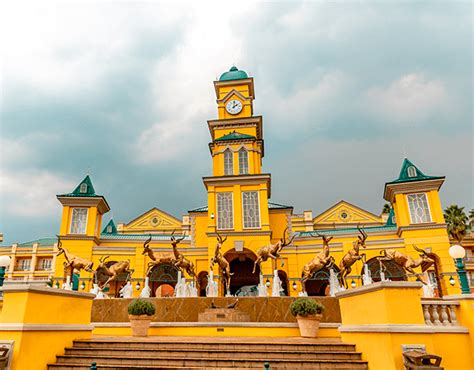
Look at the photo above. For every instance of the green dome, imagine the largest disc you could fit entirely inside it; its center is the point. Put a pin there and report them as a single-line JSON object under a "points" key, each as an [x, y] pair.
{"points": [[233, 74]]}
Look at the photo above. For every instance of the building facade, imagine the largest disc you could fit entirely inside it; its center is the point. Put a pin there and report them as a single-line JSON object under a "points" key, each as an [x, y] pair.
{"points": [[239, 207]]}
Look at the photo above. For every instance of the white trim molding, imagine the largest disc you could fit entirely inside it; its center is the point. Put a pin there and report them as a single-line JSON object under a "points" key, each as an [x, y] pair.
{"points": [[378, 286], [402, 328], [44, 327]]}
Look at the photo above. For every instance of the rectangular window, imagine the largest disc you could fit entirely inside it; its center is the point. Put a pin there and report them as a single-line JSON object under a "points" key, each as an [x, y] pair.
{"points": [[24, 264], [243, 162], [228, 162], [419, 209], [225, 211], [251, 209], [45, 264], [79, 221]]}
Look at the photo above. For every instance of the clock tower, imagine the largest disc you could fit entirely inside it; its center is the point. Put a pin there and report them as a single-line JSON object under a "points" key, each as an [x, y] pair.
{"points": [[238, 191]]}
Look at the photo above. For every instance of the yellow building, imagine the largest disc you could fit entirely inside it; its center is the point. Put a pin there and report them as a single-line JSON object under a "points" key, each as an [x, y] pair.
{"points": [[239, 208]]}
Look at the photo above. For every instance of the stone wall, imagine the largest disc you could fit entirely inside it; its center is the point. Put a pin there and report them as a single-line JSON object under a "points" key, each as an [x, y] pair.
{"points": [[260, 309]]}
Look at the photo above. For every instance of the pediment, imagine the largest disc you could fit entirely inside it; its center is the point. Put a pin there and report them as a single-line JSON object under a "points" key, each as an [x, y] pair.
{"points": [[154, 220], [233, 93], [346, 213]]}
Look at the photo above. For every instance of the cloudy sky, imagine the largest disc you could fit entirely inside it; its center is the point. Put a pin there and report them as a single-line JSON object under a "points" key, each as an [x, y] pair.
{"points": [[122, 91]]}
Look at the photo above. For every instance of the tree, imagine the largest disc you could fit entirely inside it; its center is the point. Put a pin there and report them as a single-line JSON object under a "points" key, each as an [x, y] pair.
{"points": [[471, 217], [386, 208], [457, 222]]}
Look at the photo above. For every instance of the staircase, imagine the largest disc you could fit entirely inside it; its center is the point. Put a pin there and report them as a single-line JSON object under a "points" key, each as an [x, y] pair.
{"points": [[209, 353]]}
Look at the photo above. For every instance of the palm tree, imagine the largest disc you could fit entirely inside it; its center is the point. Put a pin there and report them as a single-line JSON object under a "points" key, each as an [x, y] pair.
{"points": [[386, 208], [471, 217], [457, 222]]}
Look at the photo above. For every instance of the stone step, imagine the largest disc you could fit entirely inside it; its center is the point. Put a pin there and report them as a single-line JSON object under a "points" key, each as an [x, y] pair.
{"points": [[211, 363], [192, 344], [214, 354]]}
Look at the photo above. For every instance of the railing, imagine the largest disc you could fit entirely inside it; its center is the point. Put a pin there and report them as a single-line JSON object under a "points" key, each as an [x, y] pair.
{"points": [[440, 313]]}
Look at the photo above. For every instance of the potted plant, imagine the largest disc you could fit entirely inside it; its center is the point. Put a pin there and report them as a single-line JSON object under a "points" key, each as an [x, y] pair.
{"points": [[308, 313], [140, 313]]}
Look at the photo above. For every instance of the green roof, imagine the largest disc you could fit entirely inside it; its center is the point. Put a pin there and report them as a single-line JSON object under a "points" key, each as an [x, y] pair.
{"points": [[233, 74], [235, 136], [272, 205], [410, 172], [351, 230], [111, 226], [199, 209], [48, 241], [86, 187], [139, 236], [391, 218]]}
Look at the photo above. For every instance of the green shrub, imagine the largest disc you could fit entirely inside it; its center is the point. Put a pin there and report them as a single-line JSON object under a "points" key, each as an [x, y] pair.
{"points": [[141, 307], [305, 307]]}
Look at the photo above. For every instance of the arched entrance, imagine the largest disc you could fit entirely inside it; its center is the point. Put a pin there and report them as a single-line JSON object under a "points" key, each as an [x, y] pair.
{"points": [[163, 274], [113, 287], [284, 281], [392, 271], [318, 284], [241, 265], [202, 280]]}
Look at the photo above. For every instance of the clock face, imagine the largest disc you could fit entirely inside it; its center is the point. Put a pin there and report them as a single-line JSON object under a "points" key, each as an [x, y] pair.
{"points": [[234, 106]]}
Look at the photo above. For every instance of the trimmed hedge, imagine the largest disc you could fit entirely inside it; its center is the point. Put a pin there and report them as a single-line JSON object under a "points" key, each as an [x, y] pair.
{"points": [[305, 307], [141, 307]]}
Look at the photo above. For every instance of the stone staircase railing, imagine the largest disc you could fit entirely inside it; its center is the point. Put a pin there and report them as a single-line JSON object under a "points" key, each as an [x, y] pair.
{"points": [[440, 313]]}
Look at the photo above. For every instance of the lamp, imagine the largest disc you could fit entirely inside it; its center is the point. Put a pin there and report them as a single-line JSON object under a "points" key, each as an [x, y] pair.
{"points": [[457, 252], [212, 216], [294, 285], [4, 263], [267, 283], [83, 286], [56, 285], [353, 283], [137, 287], [451, 280]]}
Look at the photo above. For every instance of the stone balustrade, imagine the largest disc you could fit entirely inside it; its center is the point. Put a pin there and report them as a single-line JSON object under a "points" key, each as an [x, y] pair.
{"points": [[440, 312]]}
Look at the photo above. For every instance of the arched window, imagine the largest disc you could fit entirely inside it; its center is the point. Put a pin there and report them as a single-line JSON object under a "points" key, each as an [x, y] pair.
{"points": [[83, 188], [243, 162], [411, 171], [228, 162]]}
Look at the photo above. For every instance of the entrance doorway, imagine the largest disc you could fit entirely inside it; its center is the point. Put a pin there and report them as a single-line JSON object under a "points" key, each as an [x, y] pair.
{"points": [[241, 265], [318, 284], [163, 274], [391, 270]]}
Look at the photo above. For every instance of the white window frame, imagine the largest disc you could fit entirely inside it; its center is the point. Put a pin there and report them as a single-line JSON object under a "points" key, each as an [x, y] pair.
{"points": [[241, 167], [83, 188], [22, 262], [41, 265], [218, 212], [226, 168], [258, 207], [414, 171], [72, 219], [427, 204]]}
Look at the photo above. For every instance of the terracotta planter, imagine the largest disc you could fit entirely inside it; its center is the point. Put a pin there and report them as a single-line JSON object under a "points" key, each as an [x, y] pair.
{"points": [[140, 325], [309, 325]]}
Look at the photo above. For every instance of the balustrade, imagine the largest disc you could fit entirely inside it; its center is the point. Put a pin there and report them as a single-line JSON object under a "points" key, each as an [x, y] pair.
{"points": [[440, 313]]}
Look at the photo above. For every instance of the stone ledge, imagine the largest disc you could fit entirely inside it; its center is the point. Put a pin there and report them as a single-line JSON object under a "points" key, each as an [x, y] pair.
{"points": [[213, 324], [378, 286], [44, 327], [458, 297], [21, 288], [402, 328]]}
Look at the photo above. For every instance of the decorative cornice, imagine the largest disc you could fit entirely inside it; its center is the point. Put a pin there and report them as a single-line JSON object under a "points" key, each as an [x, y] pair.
{"points": [[239, 180], [79, 237], [44, 327], [21, 288], [181, 324], [237, 123], [96, 201], [379, 286], [423, 226], [391, 189], [238, 233]]}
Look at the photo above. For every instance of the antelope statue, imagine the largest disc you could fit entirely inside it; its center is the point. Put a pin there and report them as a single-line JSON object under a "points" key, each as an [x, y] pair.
{"points": [[320, 261], [73, 262], [180, 261], [272, 251], [352, 256], [407, 262], [224, 267], [114, 270], [156, 259]]}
